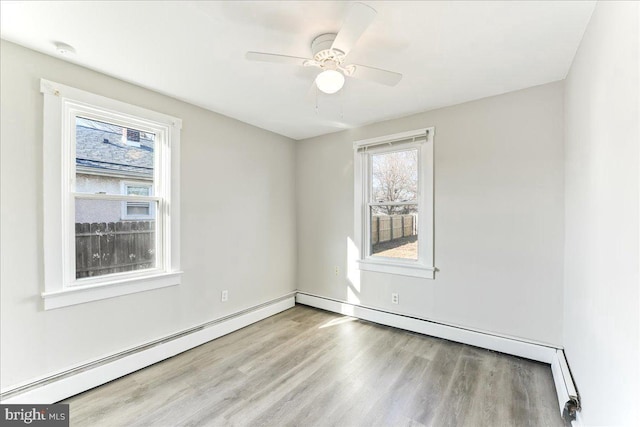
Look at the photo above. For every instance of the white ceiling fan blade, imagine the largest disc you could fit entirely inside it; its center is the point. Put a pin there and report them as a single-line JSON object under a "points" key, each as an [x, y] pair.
{"points": [[278, 59], [357, 21], [388, 78]]}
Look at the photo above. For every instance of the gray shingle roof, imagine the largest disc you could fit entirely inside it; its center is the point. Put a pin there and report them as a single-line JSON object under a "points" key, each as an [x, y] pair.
{"points": [[101, 146]]}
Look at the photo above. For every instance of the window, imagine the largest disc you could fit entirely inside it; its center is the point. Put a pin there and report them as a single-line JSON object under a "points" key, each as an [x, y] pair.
{"points": [[111, 208], [133, 135], [394, 203], [137, 210]]}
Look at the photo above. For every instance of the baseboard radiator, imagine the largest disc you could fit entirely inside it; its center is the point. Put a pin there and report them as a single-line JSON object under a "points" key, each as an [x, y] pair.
{"points": [[568, 397], [69, 382]]}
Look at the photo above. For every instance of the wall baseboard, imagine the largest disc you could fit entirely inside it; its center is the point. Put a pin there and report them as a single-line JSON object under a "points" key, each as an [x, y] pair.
{"points": [[85, 377], [512, 346]]}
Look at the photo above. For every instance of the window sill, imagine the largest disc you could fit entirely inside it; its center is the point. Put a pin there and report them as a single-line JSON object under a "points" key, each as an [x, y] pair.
{"points": [[82, 294], [390, 267]]}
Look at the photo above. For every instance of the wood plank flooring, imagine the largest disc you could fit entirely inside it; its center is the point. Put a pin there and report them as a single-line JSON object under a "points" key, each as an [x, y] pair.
{"points": [[308, 367]]}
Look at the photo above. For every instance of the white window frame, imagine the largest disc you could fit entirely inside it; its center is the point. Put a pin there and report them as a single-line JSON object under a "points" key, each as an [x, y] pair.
{"points": [[123, 187], [62, 104], [422, 140]]}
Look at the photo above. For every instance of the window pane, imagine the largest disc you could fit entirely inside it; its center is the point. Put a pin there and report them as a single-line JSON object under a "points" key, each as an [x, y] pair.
{"points": [[394, 176], [107, 155], [138, 209], [394, 231], [137, 190], [106, 244]]}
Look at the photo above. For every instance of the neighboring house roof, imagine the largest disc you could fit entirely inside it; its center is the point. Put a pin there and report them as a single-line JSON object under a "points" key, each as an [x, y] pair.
{"points": [[101, 148]]}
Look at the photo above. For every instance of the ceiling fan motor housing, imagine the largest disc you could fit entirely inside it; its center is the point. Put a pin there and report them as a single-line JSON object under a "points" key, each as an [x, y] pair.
{"points": [[329, 52], [321, 48]]}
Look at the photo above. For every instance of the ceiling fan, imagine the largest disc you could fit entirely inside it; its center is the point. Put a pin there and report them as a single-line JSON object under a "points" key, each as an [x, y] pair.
{"points": [[329, 53]]}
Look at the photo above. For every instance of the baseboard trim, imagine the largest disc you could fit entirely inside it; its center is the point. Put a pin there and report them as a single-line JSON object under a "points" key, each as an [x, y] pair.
{"points": [[538, 352], [64, 384]]}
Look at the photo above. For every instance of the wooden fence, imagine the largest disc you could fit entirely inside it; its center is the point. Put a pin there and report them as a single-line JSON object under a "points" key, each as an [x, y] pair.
{"points": [[113, 247], [391, 227]]}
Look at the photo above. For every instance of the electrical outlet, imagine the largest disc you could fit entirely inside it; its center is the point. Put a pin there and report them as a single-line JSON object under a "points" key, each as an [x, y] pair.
{"points": [[224, 297], [394, 298], [337, 270]]}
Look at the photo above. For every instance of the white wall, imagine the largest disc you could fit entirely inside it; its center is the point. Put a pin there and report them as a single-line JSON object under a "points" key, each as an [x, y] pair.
{"points": [[238, 232], [601, 304], [499, 211]]}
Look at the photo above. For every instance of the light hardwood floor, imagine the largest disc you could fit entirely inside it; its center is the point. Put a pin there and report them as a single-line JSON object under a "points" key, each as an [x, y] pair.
{"points": [[308, 367]]}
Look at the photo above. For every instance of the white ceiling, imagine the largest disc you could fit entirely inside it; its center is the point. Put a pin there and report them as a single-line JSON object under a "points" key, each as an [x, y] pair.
{"points": [[448, 52]]}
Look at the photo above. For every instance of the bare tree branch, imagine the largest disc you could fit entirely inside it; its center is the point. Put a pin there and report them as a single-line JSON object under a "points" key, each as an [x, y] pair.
{"points": [[395, 179]]}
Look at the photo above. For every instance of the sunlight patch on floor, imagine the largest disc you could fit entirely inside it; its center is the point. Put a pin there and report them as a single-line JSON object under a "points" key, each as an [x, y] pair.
{"points": [[338, 321]]}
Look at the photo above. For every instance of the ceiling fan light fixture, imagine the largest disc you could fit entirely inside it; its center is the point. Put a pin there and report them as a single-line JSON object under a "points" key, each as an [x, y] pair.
{"points": [[330, 81]]}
